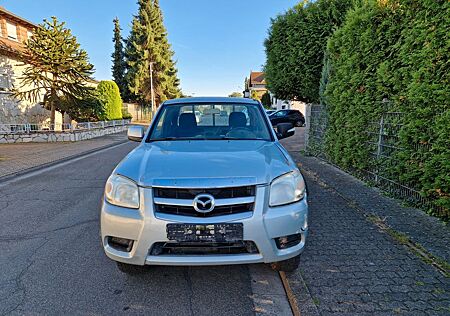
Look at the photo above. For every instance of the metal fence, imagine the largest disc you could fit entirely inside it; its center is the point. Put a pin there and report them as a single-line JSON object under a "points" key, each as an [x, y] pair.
{"points": [[317, 124], [46, 127], [383, 144]]}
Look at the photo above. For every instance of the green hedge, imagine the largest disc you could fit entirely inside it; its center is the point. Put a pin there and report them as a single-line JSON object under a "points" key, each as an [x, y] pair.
{"points": [[295, 47], [109, 96], [397, 50]]}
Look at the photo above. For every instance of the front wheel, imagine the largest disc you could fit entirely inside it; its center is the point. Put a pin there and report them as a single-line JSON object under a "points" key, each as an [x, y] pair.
{"points": [[299, 124], [130, 269], [288, 265]]}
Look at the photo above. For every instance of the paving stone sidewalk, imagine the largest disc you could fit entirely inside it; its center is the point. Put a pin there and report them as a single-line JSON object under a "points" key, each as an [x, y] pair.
{"points": [[16, 158], [350, 265]]}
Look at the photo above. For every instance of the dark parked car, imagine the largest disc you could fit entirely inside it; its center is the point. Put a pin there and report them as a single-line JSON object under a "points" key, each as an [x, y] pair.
{"points": [[287, 116], [269, 112]]}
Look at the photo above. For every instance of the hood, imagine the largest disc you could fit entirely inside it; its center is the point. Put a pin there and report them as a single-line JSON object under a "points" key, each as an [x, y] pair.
{"points": [[205, 163]]}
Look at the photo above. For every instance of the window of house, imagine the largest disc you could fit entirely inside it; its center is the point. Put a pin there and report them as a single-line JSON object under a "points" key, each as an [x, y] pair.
{"points": [[29, 34], [11, 30]]}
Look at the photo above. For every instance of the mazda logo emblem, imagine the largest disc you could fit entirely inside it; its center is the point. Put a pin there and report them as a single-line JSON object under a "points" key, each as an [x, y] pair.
{"points": [[204, 203]]}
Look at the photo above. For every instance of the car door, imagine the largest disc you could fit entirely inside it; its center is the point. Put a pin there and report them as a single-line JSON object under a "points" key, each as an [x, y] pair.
{"points": [[290, 117], [278, 117]]}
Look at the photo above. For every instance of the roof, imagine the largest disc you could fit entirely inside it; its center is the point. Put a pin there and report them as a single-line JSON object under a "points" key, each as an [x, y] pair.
{"points": [[257, 77], [13, 16], [211, 100], [10, 47]]}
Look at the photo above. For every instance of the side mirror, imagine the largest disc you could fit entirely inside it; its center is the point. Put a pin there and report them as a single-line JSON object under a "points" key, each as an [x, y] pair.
{"points": [[135, 133], [285, 130]]}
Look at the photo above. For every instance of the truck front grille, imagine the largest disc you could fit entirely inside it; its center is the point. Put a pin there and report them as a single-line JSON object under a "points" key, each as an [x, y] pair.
{"points": [[233, 200], [202, 248], [218, 193]]}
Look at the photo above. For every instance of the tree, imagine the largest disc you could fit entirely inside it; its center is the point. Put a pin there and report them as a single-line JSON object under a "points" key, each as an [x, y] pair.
{"points": [[295, 47], [118, 59], [235, 95], [396, 50], [55, 67], [148, 44], [266, 100], [167, 66], [109, 97]]}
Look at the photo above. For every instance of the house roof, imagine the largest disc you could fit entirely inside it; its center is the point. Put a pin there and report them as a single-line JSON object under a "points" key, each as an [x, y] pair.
{"points": [[257, 77], [16, 18], [10, 47]]}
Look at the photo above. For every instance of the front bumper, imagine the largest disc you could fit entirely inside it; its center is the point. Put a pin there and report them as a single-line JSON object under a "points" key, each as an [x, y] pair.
{"points": [[146, 228]]}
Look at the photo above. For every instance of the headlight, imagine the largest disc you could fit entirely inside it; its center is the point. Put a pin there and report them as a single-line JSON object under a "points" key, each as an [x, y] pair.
{"points": [[287, 188], [121, 191]]}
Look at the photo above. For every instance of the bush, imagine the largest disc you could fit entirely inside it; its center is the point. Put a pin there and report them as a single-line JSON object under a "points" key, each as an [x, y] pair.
{"points": [[396, 50], [83, 110], [266, 100], [109, 96], [127, 116]]}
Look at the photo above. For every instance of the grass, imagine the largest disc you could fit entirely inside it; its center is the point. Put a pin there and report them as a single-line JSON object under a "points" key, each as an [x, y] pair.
{"points": [[442, 265], [438, 291]]}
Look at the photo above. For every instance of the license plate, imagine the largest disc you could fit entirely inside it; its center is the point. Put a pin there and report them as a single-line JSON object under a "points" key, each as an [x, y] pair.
{"points": [[205, 232]]}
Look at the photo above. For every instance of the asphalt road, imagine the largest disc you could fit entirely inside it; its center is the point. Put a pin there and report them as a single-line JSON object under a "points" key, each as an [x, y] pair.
{"points": [[51, 260]]}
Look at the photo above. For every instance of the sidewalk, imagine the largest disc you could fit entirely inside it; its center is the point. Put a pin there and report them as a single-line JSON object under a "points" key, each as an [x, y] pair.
{"points": [[16, 158], [358, 258]]}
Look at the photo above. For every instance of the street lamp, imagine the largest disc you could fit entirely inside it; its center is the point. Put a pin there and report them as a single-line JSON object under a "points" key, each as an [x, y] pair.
{"points": [[151, 89]]}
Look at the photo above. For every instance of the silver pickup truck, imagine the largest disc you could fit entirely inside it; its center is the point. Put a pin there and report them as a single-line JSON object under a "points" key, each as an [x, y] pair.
{"points": [[209, 184]]}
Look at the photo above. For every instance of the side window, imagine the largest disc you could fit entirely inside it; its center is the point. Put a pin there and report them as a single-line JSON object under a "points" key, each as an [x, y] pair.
{"points": [[159, 127]]}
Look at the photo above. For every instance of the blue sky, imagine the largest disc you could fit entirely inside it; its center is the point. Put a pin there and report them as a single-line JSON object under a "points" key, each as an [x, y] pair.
{"points": [[216, 42]]}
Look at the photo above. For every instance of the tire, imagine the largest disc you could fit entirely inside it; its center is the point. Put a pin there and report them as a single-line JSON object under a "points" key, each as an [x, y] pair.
{"points": [[130, 269], [288, 265], [298, 124]]}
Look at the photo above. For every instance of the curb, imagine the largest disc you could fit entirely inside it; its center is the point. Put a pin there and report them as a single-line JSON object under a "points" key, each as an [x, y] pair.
{"points": [[298, 295], [26, 171], [290, 294]]}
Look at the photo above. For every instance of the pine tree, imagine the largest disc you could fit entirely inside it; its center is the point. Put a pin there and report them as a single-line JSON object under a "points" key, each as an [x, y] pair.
{"points": [[55, 67], [167, 74], [147, 44], [118, 59]]}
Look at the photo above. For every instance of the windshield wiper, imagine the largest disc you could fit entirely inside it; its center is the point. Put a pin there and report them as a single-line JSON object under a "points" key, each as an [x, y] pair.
{"points": [[176, 138], [170, 138], [234, 138]]}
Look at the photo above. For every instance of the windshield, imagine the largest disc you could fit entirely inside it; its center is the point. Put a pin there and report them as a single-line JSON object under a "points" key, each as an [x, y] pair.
{"points": [[210, 122]]}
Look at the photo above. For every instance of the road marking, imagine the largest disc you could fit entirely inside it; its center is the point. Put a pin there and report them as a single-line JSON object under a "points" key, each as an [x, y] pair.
{"points": [[25, 174]]}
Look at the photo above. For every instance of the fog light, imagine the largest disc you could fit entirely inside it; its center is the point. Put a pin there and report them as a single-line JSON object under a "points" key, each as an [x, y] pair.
{"points": [[121, 244], [251, 247], [288, 241]]}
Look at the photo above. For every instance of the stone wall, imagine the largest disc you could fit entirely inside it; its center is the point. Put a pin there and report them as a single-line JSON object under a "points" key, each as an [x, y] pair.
{"points": [[13, 111], [69, 136]]}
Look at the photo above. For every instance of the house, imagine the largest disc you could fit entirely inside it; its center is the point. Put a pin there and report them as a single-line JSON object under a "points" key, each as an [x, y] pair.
{"points": [[14, 32], [255, 85]]}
